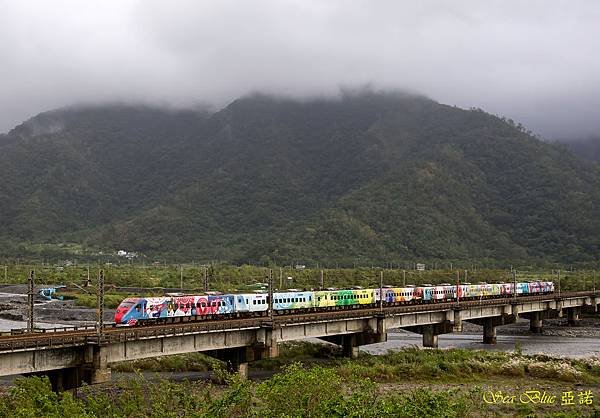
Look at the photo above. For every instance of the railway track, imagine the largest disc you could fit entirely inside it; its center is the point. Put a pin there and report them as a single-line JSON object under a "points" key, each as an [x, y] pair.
{"points": [[181, 325]]}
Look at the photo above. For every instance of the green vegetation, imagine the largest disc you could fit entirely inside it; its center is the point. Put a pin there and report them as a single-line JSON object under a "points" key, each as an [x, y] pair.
{"points": [[151, 280], [415, 364], [193, 362], [409, 383], [369, 178], [588, 149], [316, 392]]}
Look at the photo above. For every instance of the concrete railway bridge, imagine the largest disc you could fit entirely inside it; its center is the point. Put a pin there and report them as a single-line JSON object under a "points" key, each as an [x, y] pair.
{"points": [[72, 356]]}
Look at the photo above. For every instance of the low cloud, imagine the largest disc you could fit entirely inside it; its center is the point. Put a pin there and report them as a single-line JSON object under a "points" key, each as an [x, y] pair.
{"points": [[535, 62]]}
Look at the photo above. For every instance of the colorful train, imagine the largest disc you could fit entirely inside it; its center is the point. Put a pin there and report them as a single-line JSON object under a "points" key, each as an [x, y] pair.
{"points": [[140, 310]]}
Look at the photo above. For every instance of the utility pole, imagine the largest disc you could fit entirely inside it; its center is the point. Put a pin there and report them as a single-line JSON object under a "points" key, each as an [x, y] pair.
{"points": [[100, 298], [514, 273], [271, 294], [181, 277], [457, 288], [280, 278], [381, 291], [30, 294], [205, 279]]}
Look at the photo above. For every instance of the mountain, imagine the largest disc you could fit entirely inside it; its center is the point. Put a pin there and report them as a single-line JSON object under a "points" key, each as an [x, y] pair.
{"points": [[369, 177], [588, 149]]}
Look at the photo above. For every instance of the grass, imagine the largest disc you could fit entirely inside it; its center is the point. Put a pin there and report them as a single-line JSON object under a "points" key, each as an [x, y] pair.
{"points": [[230, 278], [434, 365], [408, 383]]}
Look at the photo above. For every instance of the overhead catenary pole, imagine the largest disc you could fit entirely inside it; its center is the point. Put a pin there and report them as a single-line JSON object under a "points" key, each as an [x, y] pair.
{"points": [[280, 278], [514, 274], [558, 272], [381, 291], [594, 280], [321, 281], [205, 278], [100, 304], [403, 278], [270, 294], [457, 288], [5, 274], [181, 277], [30, 294]]}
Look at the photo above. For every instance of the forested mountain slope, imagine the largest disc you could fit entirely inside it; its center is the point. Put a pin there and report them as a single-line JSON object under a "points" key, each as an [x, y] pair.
{"points": [[371, 177]]}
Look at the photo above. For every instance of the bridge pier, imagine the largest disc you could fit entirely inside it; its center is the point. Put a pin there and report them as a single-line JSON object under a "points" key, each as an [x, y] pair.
{"points": [[350, 343], [535, 322], [430, 338], [236, 359], [350, 346], [457, 325], [65, 379], [490, 323], [430, 332], [96, 369], [573, 317], [489, 331]]}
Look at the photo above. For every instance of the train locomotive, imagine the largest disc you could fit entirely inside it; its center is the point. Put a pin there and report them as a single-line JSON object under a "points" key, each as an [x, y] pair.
{"points": [[146, 310]]}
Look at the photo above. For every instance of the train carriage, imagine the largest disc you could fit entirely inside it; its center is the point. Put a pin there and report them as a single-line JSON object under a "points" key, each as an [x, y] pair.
{"points": [[283, 301], [137, 310], [522, 288], [344, 297], [251, 302]]}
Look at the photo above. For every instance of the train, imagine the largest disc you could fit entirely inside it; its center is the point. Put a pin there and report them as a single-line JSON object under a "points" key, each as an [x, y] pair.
{"points": [[136, 311]]}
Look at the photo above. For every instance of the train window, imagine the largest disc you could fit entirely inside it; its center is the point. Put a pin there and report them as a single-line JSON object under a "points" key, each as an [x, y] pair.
{"points": [[246, 301], [319, 299], [254, 302]]}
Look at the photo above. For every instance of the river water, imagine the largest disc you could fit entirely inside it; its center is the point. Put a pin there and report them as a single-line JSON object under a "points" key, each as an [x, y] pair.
{"points": [[529, 344]]}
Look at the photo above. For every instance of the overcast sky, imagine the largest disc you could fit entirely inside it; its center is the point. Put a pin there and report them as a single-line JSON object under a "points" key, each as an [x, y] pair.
{"points": [[537, 62]]}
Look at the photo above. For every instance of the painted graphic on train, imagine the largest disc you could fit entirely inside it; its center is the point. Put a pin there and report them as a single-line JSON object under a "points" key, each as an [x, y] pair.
{"points": [[134, 310]]}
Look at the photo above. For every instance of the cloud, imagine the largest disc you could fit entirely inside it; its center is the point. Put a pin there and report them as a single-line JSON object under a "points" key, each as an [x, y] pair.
{"points": [[534, 61]]}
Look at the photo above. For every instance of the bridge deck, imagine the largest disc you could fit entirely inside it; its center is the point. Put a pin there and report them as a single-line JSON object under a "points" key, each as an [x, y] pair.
{"points": [[185, 325]]}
